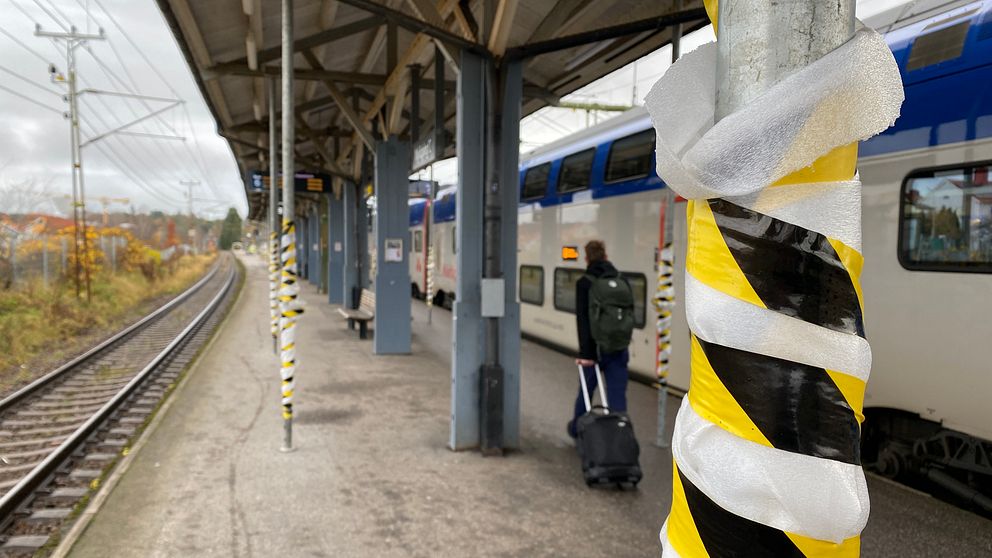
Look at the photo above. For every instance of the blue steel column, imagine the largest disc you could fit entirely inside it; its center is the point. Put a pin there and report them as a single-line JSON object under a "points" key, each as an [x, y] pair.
{"points": [[335, 246], [350, 254], [314, 245], [467, 327], [322, 210], [392, 222], [509, 328]]}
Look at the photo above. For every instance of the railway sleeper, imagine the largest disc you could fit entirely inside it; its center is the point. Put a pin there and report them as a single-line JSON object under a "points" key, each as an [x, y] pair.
{"points": [[74, 411], [49, 430], [24, 543], [47, 515]]}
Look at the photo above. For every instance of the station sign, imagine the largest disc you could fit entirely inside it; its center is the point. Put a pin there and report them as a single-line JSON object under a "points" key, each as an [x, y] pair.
{"points": [[426, 151], [258, 181]]}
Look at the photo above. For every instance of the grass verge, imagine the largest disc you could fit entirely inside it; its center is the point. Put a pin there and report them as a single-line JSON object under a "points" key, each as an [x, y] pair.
{"points": [[39, 325]]}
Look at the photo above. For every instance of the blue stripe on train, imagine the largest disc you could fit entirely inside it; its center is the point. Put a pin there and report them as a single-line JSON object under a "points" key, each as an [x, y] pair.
{"points": [[947, 102]]}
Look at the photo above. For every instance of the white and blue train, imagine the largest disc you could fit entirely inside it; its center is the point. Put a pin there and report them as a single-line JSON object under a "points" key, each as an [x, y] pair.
{"points": [[927, 203]]}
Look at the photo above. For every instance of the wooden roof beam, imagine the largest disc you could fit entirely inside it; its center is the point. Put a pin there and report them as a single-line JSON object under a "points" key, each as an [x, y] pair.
{"points": [[502, 25], [304, 75], [349, 113]]}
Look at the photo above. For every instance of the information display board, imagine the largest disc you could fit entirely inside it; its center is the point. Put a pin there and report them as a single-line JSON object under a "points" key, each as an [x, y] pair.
{"points": [[258, 181]]}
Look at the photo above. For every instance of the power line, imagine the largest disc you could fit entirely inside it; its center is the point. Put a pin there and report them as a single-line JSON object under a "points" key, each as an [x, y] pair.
{"points": [[51, 15], [68, 23], [136, 152], [29, 82], [131, 150], [24, 46], [134, 45], [197, 155], [121, 163], [30, 100]]}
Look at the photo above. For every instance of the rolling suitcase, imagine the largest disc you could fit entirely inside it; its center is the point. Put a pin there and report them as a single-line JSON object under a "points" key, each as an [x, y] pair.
{"points": [[606, 443]]}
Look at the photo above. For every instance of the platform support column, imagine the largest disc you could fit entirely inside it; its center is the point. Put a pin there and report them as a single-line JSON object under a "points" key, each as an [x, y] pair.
{"points": [[350, 229], [323, 232], [486, 349], [336, 279], [314, 245], [392, 239]]}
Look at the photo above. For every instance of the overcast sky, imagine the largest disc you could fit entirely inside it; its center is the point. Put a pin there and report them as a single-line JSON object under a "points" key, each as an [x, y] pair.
{"points": [[35, 145], [150, 172]]}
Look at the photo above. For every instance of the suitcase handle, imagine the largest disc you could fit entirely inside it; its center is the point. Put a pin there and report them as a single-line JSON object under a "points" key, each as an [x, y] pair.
{"points": [[585, 389]]}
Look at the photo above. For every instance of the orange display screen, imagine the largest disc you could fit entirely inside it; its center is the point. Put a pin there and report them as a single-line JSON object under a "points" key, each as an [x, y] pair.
{"points": [[569, 253]]}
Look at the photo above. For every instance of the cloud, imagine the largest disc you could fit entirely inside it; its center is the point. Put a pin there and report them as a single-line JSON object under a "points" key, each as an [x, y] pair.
{"points": [[146, 170]]}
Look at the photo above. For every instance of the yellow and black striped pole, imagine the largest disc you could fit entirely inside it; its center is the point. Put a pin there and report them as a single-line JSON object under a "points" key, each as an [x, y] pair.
{"points": [[290, 310], [766, 443]]}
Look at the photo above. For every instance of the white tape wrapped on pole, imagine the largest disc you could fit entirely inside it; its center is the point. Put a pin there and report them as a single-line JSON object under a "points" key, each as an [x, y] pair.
{"points": [[736, 473]]}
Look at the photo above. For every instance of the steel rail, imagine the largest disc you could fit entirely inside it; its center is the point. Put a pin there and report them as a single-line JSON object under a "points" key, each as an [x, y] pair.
{"points": [[20, 493], [18, 396]]}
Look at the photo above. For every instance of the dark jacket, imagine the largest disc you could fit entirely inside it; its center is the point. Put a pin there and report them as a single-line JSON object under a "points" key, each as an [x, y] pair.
{"points": [[587, 345]]}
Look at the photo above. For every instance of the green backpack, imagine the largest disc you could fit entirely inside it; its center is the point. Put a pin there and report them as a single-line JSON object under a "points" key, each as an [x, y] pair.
{"points": [[611, 312]]}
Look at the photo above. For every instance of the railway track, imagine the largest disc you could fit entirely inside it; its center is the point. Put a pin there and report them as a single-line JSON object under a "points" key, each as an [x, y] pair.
{"points": [[60, 434]]}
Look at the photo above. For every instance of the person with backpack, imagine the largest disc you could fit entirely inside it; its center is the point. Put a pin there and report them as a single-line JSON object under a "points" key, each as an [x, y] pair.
{"points": [[604, 314]]}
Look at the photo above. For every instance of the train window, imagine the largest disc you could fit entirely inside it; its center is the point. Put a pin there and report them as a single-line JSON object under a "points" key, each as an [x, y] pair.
{"points": [[418, 241], [576, 171], [639, 285], [630, 157], [565, 280], [536, 182], [532, 284], [938, 46], [946, 219]]}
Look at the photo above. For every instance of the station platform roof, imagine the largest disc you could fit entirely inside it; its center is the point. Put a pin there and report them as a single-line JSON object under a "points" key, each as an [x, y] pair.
{"points": [[353, 60]]}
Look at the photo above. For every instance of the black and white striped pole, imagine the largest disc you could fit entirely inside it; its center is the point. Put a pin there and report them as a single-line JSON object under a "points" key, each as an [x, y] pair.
{"points": [[764, 147]]}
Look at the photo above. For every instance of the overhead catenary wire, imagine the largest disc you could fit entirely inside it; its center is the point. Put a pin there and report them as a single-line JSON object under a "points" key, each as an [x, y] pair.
{"points": [[55, 15], [108, 151], [30, 100], [57, 21], [29, 82], [195, 154]]}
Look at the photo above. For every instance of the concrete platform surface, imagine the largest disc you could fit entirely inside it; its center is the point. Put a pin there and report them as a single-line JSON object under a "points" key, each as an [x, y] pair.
{"points": [[372, 476]]}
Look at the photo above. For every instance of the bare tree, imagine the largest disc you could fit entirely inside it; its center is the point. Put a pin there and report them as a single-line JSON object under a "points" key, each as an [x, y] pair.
{"points": [[26, 196]]}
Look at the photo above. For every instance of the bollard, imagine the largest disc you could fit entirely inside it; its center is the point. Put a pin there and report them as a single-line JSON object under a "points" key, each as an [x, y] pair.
{"points": [[766, 443]]}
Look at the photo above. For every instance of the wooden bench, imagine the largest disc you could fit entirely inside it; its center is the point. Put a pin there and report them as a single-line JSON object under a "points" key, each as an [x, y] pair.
{"points": [[364, 314]]}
